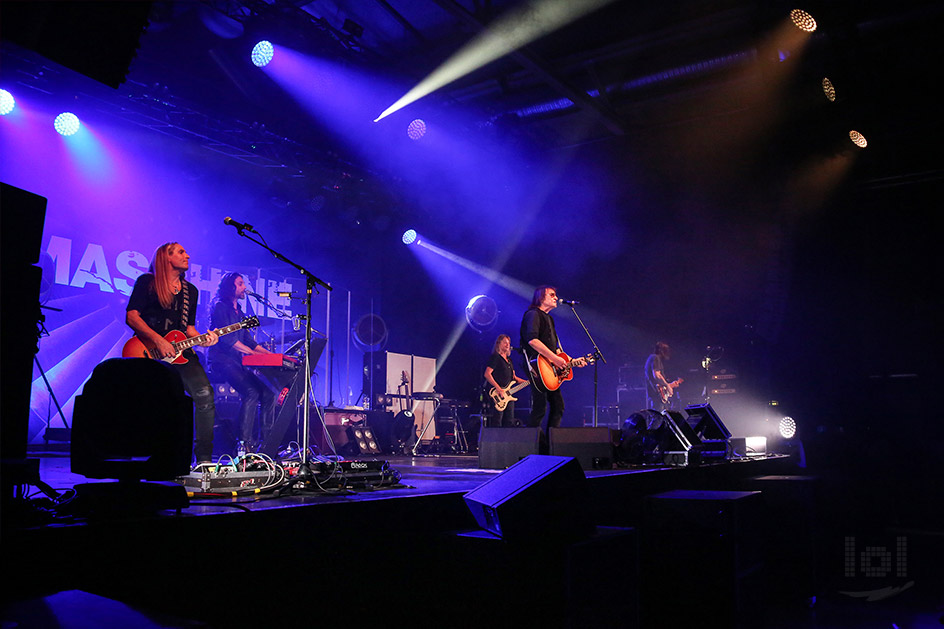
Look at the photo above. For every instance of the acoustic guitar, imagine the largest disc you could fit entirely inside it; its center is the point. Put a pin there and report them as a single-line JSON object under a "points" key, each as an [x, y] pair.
{"points": [[550, 378]]}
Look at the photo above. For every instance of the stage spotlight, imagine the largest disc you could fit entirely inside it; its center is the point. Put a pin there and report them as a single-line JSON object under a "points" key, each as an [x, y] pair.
{"points": [[6, 102], [829, 90], [66, 123], [788, 427], [858, 139], [481, 313], [803, 20], [409, 237], [416, 129], [262, 54]]}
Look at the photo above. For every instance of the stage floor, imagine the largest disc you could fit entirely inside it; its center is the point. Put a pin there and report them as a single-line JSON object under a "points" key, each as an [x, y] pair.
{"points": [[408, 535], [419, 476]]}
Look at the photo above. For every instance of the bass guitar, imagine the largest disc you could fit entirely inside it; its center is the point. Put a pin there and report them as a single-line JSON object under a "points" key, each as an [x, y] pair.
{"points": [[135, 347], [549, 377], [510, 390], [666, 392]]}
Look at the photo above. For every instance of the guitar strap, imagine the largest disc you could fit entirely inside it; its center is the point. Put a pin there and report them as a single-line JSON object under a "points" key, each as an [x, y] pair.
{"points": [[185, 304]]}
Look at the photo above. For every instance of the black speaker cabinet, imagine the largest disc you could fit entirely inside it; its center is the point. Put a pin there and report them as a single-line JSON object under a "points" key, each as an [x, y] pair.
{"points": [[502, 447], [706, 422], [537, 498], [591, 446]]}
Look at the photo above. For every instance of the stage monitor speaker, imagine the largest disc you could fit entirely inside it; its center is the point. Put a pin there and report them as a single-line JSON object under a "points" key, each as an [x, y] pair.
{"points": [[676, 434], [22, 216], [133, 421], [591, 446], [502, 447], [537, 498], [706, 422]]}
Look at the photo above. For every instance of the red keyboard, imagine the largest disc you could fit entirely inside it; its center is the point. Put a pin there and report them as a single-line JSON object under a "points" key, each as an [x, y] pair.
{"points": [[270, 360]]}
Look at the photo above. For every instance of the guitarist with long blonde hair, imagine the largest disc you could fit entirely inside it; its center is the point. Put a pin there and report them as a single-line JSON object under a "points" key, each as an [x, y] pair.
{"points": [[162, 301], [500, 373]]}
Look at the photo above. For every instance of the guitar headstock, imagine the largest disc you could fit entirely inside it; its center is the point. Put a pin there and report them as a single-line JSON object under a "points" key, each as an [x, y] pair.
{"points": [[250, 322], [593, 357]]}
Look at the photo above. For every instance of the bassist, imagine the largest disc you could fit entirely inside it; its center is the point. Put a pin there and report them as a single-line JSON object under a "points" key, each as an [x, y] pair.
{"points": [[161, 301], [499, 373], [539, 338]]}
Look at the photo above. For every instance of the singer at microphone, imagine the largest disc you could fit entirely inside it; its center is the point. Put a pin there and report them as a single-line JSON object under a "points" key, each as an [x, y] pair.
{"points": [[239, 226]]}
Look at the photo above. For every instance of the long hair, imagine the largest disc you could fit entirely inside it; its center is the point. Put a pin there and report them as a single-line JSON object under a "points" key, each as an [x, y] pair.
{"points": [[164, 276], [501, 337], [226, 291], [539, 293]]}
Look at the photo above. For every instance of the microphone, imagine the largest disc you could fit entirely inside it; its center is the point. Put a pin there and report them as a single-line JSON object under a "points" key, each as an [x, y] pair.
{"points": [[239, 226], [569, 302], [256, 295]]}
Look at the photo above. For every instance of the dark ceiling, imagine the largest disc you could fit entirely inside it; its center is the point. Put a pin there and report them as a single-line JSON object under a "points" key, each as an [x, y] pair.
{"points": [[622, 70]]}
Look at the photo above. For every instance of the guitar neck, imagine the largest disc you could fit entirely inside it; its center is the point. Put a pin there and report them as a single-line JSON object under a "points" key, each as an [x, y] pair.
{"points": [[197, 340], [517, 387]]}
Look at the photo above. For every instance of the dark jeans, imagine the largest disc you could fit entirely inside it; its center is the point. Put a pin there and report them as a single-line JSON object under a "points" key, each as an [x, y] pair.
{"points": [[502, 419], [251, 391], [655, 403], [540, 401], [204, 411]]}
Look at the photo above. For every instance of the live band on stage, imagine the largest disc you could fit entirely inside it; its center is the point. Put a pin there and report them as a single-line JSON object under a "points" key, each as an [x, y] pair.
{"points": [[248, 393]]}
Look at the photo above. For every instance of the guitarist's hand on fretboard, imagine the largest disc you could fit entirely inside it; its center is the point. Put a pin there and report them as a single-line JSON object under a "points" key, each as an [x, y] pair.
{"points": [[212, 338]]}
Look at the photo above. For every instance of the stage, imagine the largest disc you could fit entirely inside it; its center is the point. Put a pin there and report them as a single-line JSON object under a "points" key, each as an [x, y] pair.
{"points": [[412, 554]]}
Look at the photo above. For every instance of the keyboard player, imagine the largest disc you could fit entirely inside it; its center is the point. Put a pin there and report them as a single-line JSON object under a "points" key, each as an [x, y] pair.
{"points": [[226, 360]]}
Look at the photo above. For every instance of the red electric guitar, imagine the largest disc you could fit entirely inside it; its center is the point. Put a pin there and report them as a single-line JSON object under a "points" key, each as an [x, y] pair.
{"points": [[135, 347]]}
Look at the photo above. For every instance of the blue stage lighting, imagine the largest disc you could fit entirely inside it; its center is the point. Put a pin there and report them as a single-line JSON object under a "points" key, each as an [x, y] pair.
{"points": [[262, 53], [416, 129], [6, 102], [66, 123], [409, 237]]}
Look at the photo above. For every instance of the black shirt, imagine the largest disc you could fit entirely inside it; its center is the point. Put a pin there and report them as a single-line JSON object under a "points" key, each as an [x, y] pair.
{"points": [[537, 324], [654, 364], [224, 314], [163, 320], [502, 369]]}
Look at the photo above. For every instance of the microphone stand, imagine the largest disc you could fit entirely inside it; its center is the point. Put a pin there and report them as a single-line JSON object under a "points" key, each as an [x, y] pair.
{"points": [[596, 363], [304, 469]]}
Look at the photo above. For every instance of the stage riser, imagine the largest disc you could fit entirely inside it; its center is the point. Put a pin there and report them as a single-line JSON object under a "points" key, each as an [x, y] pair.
{"points": [[410, 540]]}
